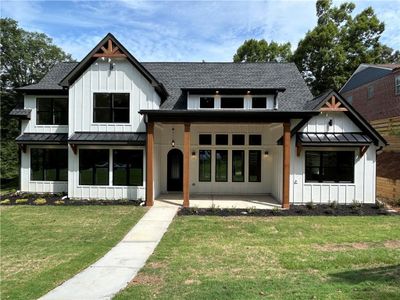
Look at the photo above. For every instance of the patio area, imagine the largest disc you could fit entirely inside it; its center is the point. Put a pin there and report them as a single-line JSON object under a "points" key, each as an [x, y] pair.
{"points": [[219, 201]]}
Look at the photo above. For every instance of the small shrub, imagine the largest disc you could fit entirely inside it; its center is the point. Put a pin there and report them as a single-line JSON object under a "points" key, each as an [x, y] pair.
{"points": [[310, 205], [5, 202], [21, 201], [356, 205], [276, 211], [40, 201], [59, 202], [333, 204]]}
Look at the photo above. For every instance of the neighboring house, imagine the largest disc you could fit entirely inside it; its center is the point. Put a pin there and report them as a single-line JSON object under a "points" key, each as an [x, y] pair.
{"points": [[110, 127], [374, 90]]}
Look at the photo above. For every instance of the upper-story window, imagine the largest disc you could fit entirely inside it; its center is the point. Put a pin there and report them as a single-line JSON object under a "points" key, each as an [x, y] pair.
{"points": [[206, 102], [259, 102], [111, 108], [52, 111], [370, 93], [232, 102], [397, 85]]}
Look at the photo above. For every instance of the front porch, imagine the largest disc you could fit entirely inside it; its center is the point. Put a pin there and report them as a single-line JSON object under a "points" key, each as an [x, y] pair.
{"points": [[249, 201]]}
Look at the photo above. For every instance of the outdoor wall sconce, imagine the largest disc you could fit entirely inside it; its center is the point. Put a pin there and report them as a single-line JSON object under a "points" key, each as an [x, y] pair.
{"points": [[330, 122], [173, 138], [173, 143], [266, 153], [193, 154]]}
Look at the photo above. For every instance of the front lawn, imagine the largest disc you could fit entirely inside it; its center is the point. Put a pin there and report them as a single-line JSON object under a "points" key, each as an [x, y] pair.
{"points": [[273, 258], [43, 246]]}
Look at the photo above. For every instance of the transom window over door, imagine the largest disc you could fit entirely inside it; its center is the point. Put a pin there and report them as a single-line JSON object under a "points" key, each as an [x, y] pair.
{"points": [[111, 108], [330, 166], [52, 111]]}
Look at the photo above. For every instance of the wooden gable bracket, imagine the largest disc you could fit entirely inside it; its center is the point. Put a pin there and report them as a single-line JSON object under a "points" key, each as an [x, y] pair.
{"points": [[112, 51], [22, 147], [74, 148], [363, 149], [333, 105]]}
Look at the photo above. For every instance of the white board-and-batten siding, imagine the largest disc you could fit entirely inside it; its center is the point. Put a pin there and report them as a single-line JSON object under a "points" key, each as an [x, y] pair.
{"points": [[98, 78], [361, 190]]}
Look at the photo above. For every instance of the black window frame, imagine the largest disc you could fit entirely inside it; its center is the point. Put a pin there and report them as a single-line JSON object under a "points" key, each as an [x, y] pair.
{"points": [[205, 104], [204, 179], [339, 169], [242, 166], [217, 178], [225, 101], [58, 161], [255, 102], [133, 161], [112, 109], [257, 170], [94, 154], [52, 112], [205, 136]]}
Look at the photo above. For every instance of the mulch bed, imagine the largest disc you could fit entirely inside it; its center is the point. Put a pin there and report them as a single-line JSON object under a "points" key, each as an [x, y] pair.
{"points": [[298, 210], [60, 199]]}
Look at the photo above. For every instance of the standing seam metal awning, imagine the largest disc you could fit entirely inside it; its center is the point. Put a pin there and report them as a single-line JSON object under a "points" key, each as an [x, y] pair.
{"points": [[110, 138], [43, 138], [332, 139]]}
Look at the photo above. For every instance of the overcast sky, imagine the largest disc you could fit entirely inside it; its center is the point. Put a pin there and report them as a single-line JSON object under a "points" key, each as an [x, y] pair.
{"points": [[181, 30]]}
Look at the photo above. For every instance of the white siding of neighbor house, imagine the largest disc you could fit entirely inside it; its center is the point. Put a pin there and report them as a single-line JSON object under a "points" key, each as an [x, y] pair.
{"points": [[33, 186], [363, 188], [124, 78], [109, 192], [30, 126], [194, 101]]}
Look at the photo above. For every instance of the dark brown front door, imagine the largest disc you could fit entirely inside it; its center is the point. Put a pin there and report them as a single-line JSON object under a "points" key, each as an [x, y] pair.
{"points": [[175, 170]]}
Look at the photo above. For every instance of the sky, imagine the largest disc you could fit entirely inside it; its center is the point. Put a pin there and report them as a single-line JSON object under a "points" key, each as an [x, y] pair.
{"points": [[181, 30]]}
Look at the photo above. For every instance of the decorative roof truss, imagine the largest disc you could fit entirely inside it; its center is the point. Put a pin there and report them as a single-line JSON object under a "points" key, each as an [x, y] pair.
{"points": [[112, 50], [333, 105]]}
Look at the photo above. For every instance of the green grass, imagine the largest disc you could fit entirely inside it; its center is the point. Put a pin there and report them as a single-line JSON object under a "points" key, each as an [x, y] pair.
{"points": [[43, 246], [273, 258]]}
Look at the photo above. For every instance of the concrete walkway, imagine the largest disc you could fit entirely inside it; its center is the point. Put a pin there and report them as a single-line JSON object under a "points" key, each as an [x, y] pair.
{"points": [[119, 266]]}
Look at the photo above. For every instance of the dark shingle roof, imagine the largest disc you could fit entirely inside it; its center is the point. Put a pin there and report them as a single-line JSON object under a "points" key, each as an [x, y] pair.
{"points": [[363, 77], [42, 138], [21, 113], [175, 76], [134, 138], [52, 79]]}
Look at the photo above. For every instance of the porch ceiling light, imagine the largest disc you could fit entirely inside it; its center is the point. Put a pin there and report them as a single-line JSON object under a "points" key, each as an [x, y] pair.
{"points": [[266, 153]]}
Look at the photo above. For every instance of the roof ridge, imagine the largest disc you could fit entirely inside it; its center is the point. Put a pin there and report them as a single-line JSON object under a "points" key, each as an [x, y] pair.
{"points": [[215, 62]]}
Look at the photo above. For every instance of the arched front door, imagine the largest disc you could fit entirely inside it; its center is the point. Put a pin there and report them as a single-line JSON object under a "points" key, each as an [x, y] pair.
{"points": [[175, 170]]}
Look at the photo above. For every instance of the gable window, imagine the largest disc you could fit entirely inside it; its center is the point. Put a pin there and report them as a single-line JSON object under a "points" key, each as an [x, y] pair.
{"points": [[237, 165], [397, 85], [254, 166], [52, 111], [128, 167], [221, 139], [329, 166], [111, 108], [205, 165], [232, 102], [259, 102], [370, 92], [255, 139], [93, 166], [204, 139], [206, 102], [221, 165], [49, 164], [238, 139]]}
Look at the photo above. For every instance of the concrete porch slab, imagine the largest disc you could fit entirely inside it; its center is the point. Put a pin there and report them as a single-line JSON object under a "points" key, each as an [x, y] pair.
{"points": [[254, 201]]}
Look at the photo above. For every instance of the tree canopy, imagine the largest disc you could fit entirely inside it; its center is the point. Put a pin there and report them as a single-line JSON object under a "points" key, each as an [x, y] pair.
{"points": [[25, 58], [258, 51]]}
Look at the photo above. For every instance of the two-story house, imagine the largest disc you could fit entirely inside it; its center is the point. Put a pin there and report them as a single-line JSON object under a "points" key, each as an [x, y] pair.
{"points": [[374, 90], [110, 127]]}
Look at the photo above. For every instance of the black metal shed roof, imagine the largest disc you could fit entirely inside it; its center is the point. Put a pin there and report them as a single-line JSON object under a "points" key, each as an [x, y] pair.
{"points": [[108, 138], [43, 138], [336, 139]]}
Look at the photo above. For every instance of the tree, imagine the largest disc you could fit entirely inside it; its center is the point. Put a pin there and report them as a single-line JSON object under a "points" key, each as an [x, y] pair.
{"points": [[25, 58], [260, 51], [338, 44]]}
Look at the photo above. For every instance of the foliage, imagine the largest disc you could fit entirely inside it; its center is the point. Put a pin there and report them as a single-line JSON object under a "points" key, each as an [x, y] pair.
{"points": [[339, 43], [260, 51], [25, 58], [5, 202], [21, 201], [59, 202], [41, 247], [40, 201]]}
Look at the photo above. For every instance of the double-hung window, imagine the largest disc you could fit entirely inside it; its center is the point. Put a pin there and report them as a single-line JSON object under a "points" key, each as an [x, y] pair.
{"points": [[94, 166], [206, 102], [329, 166], [128, 167], [232, 102], [111, 108], [52, 111], [49, 164]]}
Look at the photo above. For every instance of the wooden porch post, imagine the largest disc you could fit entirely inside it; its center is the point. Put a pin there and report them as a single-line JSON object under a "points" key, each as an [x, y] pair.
{"points": [[186, 163], [149, 164], [286, 164]]}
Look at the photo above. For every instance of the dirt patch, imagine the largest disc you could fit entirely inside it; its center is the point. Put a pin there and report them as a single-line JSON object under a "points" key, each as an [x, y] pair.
{"points": [[192, 282], [150, 280], [156, 265], [395, 244]]}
